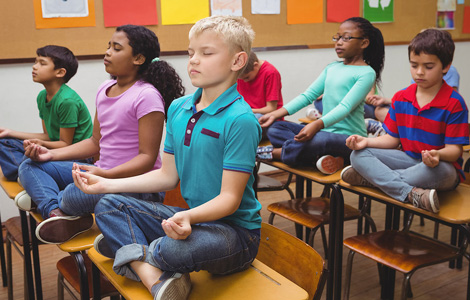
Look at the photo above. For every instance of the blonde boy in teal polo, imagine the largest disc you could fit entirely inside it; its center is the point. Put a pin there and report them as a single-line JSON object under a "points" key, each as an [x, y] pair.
{"points": [[210, 148]]}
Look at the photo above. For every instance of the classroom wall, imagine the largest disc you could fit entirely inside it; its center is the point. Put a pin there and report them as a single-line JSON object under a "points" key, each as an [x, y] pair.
{"points": [[298, 69]]}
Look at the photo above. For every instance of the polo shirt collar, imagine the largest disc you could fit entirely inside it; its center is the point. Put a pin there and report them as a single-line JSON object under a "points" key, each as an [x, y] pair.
{"points": [[440, 100], [223, 101]]}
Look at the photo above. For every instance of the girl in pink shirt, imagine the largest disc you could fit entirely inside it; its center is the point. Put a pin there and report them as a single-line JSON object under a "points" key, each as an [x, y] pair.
{"points": [[128, 126]]}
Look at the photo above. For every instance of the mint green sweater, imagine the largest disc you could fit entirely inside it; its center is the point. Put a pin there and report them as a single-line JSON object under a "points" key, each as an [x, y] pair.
{"points": [[344, 88]]}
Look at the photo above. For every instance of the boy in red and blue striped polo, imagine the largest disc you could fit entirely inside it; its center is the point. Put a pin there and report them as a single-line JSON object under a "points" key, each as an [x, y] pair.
{"points": [[429, 120]]}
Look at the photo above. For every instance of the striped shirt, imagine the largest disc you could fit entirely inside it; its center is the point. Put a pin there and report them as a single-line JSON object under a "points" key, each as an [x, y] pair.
{"points": [[442, 121]]}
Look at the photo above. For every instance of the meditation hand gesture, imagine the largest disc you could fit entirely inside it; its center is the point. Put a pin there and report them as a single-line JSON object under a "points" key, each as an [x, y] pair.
{"points": [[308, 132], [36, 152], [177, 227], [87, 182], [430, 158], [356, 142], [266, 120]]}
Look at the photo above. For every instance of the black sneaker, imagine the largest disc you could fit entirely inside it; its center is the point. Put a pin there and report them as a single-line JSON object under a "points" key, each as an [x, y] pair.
{"points": [[172, 286]]}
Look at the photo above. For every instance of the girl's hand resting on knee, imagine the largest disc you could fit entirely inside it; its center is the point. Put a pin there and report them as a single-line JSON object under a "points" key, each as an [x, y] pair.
{"points": [[308, 132], [266, 120], [87, 182], [36, 152], [430, 158], [93, 170], [177, 227], [356, 142]]}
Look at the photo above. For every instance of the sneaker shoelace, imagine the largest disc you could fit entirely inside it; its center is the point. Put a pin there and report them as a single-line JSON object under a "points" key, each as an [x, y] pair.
{"points": [[415, 198]]}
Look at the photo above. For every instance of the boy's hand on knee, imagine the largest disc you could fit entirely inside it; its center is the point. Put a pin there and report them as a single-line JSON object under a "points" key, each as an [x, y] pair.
{"points": [[36, 152], [177, 227], [266, 120], [430, 158], [356, 142]]}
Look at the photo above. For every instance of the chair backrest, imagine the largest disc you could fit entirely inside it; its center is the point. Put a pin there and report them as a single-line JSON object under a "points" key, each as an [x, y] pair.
{"points": [[174, 198], [292, 258]]}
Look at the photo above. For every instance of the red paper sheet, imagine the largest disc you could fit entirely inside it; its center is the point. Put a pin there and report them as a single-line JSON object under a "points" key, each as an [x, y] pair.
{"points": [[340, 10], [137, 12]]}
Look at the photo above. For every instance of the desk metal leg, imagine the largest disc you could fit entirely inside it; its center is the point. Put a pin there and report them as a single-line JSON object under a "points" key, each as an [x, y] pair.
{"points": [[335, 251], [95, 273], [27, 254], [82, 273], [299, 186], [2, 259], [37, 266]]}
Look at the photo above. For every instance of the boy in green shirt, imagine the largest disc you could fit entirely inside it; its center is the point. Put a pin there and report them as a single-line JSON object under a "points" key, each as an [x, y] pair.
{"points": [[65, 117]]}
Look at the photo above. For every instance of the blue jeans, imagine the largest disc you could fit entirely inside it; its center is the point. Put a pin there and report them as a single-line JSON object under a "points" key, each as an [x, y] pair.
{"points": [[281, 134], [369, 110], [50, 185], [396, 173], [11, 156], [132, 229]]}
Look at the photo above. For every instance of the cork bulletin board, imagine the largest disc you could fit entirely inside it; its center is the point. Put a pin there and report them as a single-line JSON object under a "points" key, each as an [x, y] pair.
{"points": [[20, 38]]}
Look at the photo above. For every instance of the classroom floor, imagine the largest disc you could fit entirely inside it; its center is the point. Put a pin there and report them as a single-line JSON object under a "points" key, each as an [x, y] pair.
{"points": [[437, 282]]}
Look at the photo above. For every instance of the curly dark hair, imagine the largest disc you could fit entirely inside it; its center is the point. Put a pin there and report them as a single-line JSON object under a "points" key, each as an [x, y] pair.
{"points": [[159, 73], [62, 58], [374, 54]]}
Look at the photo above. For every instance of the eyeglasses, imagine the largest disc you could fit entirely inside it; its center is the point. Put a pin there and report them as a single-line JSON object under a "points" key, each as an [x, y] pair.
{"points": [[345, 38]]}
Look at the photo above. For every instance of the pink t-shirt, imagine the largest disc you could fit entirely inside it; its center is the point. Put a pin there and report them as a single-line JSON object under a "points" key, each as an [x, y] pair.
{"points": [[119, 121], [264, 88]]}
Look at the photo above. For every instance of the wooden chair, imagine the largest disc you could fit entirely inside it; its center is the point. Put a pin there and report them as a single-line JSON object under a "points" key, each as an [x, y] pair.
{"points": [[286, 268], [17, 232], [404, 251], [313, 212]]}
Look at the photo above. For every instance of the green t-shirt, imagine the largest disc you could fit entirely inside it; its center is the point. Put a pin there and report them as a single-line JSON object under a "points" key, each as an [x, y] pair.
{"points": [[65, 110]]}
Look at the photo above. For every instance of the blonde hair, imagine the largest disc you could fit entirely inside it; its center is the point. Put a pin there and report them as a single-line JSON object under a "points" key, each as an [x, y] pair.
{"points": [[235, 31]]}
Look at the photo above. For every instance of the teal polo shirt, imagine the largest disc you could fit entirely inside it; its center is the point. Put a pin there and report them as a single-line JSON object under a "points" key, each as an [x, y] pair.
{"points": [[223, 136]]}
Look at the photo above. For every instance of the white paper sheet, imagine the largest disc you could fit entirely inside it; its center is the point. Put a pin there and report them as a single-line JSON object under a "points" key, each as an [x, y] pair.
{"points": [[64, 8], [268, 7]]}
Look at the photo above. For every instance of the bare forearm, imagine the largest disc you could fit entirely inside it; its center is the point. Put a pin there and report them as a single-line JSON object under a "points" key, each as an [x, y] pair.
{"points": [[450, 153], [84, 149], [141, 163], [55, 145], [27, 135], [383, 142]]}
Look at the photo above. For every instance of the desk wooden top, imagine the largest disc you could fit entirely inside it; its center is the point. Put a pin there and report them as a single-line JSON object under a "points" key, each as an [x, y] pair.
{"points": [[466, 148], [11, 188], [307, 172], [454, 205], [258, 282]]}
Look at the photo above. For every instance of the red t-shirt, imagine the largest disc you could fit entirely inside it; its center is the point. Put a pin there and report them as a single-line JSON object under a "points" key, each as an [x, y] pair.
{"points": [[264, 88]]}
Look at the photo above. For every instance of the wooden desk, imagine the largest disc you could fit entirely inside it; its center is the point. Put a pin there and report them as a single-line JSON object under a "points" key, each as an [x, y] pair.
{"points": [[269, 284], [454, 212]]}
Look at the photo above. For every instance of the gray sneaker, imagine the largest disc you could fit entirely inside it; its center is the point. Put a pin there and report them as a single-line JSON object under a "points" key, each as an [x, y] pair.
{"points": [[352, 177], [102, 247], [172, 286], [425, 199]]}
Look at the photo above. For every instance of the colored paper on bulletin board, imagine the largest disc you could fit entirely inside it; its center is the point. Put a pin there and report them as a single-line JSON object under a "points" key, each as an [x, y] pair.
{"points": [[378, 11], [446, 5], [445, 20], [266, 7], [41, 22], [226, 7], [304, 11], [466, 20], [137, 12], [183, 11], [339, 10]]}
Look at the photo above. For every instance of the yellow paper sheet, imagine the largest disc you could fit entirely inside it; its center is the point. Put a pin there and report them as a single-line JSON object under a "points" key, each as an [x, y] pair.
{"points": [[304, 11], [64, 22], [183, 11]]}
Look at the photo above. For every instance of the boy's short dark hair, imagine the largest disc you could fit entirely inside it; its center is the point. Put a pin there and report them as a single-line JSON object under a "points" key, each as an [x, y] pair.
{"points": [[435, 42], [62, 58], [250, 64]]}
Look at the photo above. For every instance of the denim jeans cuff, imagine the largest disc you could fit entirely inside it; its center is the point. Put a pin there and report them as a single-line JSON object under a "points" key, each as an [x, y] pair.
{"points": [[127, 254]]}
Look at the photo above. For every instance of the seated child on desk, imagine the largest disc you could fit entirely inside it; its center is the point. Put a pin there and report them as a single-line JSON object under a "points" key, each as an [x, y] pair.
{"points": [[382, 104], [210, 147], [260, 85], [430, 121], [344, 85], [128, 127], [65, 117]]}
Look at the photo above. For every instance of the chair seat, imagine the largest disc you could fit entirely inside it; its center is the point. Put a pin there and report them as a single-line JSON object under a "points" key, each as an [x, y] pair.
{"points": [[13, 227], [402, 251], [266, 182], [68, 268], [310, 212]]}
